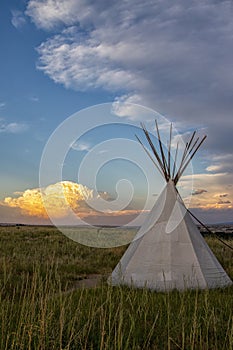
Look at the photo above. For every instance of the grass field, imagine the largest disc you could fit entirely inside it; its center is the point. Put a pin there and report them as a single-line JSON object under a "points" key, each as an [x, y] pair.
{"points": [[42, 308]]}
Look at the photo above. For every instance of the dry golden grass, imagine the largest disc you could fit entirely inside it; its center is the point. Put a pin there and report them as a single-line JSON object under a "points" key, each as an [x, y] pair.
{"points": [[40, 308]]}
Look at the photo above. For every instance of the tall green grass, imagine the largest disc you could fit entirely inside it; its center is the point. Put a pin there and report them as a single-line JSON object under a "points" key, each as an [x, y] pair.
{"points": [[40, 308]]}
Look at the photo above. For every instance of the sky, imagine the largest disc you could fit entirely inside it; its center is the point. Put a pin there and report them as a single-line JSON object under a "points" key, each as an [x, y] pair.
{"points": [[60, 58]]}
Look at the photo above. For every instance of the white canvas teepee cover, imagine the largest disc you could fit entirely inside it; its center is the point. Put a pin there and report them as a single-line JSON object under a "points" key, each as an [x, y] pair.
{"points": [[169, 252]]}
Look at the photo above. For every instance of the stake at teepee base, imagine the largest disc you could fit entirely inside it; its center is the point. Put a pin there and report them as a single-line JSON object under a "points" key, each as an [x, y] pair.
{"points": [[168, 252]]}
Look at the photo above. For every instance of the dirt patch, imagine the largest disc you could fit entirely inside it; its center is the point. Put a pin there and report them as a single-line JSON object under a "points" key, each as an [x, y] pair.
{"points": [[90, 281]]}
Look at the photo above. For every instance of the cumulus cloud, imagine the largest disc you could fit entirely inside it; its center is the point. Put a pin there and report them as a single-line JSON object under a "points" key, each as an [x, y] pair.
{"points": [[12, 128], [57, 200], [175, 57], [30, 202], [126, 106], [51, 13], [18, 19], [82, 64], [175, 47]]}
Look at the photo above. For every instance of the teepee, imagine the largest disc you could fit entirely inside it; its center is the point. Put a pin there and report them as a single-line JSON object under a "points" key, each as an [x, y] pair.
{"points": [[168, 252]]}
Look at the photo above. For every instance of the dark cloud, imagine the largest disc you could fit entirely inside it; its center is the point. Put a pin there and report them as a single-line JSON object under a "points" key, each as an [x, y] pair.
{"points": [[198, 191], [224, 202], [223, 195]]}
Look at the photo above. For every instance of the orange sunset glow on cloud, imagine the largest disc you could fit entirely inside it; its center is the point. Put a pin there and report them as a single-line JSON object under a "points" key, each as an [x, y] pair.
{"points": [[209, 193], [58, 199]]}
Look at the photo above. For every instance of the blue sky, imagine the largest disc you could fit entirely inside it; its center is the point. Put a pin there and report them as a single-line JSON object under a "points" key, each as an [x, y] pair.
{"points": [[58, 57]]}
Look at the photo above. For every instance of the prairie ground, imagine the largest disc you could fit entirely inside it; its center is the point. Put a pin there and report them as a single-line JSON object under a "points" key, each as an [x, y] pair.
{"points": [[54, 295]]}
